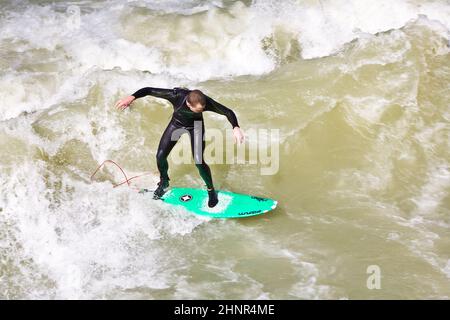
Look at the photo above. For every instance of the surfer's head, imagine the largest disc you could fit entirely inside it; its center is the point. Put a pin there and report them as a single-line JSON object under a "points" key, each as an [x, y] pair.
{"points": [[196, 101]]}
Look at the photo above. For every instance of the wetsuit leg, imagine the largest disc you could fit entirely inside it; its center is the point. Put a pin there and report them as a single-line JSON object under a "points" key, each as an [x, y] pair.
{"points": [[166, 144], [197, 148]]}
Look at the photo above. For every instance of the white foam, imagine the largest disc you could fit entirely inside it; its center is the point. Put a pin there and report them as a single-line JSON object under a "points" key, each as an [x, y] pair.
{"points": [[323, 27], [225, 40], [434, 191], [86, 238]]}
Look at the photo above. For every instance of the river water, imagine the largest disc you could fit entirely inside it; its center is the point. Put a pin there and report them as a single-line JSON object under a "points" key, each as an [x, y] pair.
{"points": [[356, 91]]}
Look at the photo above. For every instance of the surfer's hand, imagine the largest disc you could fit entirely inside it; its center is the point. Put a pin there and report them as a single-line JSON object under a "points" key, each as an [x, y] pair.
{"points": [[124, 103], [238, 135]]}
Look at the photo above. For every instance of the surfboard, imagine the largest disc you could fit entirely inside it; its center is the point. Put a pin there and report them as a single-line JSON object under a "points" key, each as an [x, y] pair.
{"points": [[231, 205]]}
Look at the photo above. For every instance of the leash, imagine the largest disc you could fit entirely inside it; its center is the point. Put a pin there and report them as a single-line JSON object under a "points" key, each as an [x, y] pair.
{"points": [[127, 180]]}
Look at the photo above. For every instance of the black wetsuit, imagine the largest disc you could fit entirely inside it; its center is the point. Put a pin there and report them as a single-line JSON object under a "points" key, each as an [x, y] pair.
{"points": [[185, 120]]}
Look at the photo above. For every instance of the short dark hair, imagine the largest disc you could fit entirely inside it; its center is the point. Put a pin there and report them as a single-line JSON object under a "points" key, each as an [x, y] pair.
{"points": [[196, 96]]}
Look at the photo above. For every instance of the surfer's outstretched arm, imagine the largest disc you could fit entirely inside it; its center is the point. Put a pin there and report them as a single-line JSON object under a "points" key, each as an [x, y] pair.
{"points": [[214, 106], [168, 94]]}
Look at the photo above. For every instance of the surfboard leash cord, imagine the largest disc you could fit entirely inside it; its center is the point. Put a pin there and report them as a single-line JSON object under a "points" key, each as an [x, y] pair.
{"points": [[127, 180]]}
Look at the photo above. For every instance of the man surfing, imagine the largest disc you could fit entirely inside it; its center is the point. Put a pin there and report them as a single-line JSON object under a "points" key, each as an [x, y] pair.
{"points": [[189, 106]]}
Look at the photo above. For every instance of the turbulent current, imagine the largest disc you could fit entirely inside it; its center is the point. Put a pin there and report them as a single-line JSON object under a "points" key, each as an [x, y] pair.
{"points": [[357, 91]]}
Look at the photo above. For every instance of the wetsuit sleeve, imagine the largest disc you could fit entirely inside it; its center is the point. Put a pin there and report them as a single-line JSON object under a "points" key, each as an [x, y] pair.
{"points": [[168, 94], [214, 106]]}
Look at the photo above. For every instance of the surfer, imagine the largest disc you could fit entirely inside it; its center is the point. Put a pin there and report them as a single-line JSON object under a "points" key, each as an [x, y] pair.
{"points": [[187, 116]]}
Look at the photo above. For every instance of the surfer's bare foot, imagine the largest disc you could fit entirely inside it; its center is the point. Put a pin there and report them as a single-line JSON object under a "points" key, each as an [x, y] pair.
{"points": [[212, 194], [162, 188]]}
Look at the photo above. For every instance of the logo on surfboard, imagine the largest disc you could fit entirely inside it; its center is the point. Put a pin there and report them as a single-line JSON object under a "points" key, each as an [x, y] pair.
{"points": [[186, 198], [259, 198]]}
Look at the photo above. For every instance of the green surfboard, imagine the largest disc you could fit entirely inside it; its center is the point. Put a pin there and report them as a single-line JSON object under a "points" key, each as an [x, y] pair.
{"points": [[231, 205]]}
